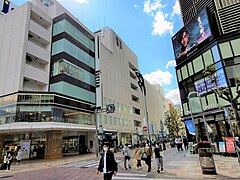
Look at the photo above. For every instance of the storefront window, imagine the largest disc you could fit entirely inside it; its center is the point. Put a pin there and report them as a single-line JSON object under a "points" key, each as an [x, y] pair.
{"points": [[211, 99]]}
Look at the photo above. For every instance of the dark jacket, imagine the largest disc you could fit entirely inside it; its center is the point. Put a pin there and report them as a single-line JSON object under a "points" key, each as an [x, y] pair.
{"points": [[110, 162]]}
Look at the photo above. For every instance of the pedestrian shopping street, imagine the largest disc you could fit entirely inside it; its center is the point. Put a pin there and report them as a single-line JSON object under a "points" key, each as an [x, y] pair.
{"points": [[177, 165]]}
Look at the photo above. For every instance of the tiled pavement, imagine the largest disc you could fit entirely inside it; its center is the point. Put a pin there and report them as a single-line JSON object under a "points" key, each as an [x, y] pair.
{"points": [[177, 165]]}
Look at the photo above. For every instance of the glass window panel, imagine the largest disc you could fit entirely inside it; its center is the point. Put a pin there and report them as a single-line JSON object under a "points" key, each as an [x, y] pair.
{"points": [[236, 46], [211, 99], [184, 72], [100, 118], [110, 120], [64, 25], [215, 52], [204, 102], [207, 56], [179, 75], [105, 119], [222, 102], [225, 50], [64, 45], [73, 91], [119, 121], [185, 108], [190, 69], [123, 122], [115, 121], [198, 64]]}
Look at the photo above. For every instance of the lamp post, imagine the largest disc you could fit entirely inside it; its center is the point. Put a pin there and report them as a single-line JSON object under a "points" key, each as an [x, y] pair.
{"points": [[196, 106], [143, 89]]}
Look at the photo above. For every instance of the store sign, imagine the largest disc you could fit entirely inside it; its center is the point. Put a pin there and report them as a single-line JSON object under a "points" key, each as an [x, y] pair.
{"points": [[210, 106], [190, 126], [25, 149], [230, 145], [222, 147]]}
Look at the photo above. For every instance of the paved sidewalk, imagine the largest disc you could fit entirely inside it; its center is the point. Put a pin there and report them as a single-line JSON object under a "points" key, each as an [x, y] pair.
{"points": [[177, 165]]}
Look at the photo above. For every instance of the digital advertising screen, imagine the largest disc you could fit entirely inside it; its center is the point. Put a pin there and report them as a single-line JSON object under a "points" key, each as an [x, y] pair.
{"points": [[205, 85], [186, 41]]}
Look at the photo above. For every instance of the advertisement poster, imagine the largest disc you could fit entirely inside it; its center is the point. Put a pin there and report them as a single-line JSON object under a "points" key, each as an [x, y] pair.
{"points": [[191, 35], [25, 149], [190, 126], [222, 147], [230, 145]]}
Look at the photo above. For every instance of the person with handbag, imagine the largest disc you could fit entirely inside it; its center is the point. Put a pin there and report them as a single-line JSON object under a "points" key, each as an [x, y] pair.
{"points": [[148, 151], [137, 154]]}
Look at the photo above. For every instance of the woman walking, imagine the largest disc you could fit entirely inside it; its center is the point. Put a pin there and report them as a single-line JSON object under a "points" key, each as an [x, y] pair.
{"points": [[137, 155], [9, 161], [19, 156], [148, 151]]}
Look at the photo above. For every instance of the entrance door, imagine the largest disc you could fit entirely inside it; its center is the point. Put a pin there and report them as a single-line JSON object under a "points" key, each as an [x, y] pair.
{"points": [[82, 145]]}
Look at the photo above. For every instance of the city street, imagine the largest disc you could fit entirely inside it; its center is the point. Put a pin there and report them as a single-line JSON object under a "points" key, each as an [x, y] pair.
{"points": [[177, 165]]}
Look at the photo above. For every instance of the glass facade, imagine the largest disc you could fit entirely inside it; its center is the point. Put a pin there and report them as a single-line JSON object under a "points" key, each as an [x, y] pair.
{"points": [[41, 108]]}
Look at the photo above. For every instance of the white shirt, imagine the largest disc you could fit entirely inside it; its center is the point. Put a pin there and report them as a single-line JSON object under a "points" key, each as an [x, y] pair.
{"points": [[105, 163]]}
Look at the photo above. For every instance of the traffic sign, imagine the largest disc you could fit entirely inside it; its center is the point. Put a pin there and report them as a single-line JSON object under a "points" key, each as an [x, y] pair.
{"points": [[145, 128]]}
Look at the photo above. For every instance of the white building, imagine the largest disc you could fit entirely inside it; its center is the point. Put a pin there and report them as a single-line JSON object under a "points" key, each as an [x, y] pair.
{"points": [[47, 80]]}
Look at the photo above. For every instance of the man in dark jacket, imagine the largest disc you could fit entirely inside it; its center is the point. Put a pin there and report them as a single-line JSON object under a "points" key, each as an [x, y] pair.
{"points": [[107, 163]]}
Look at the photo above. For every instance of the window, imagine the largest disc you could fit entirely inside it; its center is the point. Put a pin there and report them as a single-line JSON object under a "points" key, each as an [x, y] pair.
{"points": [[198, 64], [110, 120], [215, 52], [225, 49], [179, 75], [235, 45], [99, 118], [207, 56], [105, 119], [211, 99], [190, 69], [185, 108], [123, 122], [119, 121], [184, 72], [120, 44], [117, 41], [115, 121]]}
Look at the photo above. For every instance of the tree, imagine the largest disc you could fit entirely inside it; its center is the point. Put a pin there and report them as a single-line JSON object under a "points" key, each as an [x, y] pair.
{"points": [[224, 92], [173, 122]]}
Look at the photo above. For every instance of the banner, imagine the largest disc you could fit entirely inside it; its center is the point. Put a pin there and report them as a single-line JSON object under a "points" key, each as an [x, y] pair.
{"points": [[230, 145], [222, 147], [190, 126]]}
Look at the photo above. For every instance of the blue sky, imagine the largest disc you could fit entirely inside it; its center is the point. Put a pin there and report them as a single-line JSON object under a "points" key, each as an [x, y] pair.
{"points": [[146, 26]]}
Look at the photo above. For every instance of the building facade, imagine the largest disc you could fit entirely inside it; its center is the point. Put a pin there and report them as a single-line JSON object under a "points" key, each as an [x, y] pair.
{"points": [[47, 81], [118, 85], [217, 46]]}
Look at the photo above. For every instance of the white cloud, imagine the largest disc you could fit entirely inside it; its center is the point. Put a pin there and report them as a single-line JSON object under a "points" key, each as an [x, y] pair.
{"points": [[159, 77], [176, 9], [78, 1], [136, 6], [174, 96], [160, 25], [171, 63], [152, 5]]}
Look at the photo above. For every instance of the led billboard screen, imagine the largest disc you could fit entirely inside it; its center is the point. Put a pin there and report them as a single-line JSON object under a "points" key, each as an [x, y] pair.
{"points": [[186, 41], [205, 85]]}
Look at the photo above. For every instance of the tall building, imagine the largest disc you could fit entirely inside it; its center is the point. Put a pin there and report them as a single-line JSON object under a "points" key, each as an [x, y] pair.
{"points": [[118, 85], [200, 43], [225, 13], [47, 81]]}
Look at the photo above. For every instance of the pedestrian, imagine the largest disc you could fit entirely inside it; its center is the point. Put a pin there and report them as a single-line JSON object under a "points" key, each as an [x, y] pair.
{"points": [[148, 151], [107, 163], [178, 142], [185, 142], [19, 156], [126, 155], [4, 164], [137, 154], [159, 157], [9, 160]]}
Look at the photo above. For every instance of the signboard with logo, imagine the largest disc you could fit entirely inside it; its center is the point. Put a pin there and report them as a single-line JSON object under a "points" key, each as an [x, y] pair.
{"points": [[230, 147], [190, 126], [6, 6], [145, 129]]}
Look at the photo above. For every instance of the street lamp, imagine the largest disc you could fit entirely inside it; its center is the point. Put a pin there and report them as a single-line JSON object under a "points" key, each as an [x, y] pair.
{"points": [[143, 89], [196, 106]]}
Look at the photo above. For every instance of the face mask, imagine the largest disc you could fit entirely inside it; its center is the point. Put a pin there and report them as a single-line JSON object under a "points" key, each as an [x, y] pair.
{"points": [[105, 148]]}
